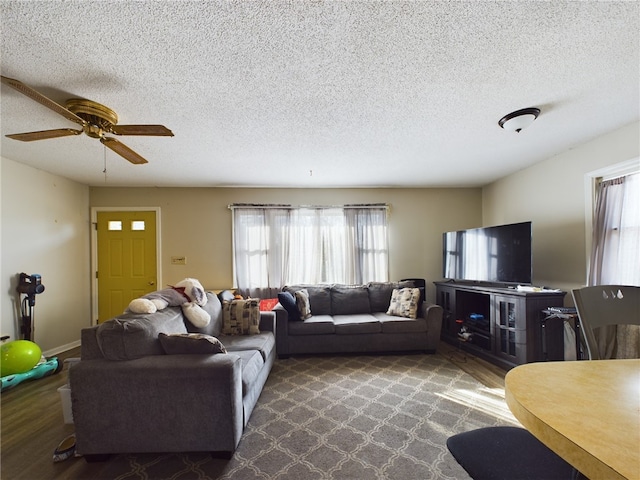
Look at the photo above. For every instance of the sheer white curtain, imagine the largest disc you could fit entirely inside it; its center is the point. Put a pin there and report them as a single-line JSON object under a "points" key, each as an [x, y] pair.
{"points": [[258, 248], [275, 246], [367, 232], [615, 256]]}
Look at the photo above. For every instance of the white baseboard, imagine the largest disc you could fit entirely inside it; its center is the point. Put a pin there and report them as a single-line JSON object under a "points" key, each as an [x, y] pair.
{"points": [[61, 348]]}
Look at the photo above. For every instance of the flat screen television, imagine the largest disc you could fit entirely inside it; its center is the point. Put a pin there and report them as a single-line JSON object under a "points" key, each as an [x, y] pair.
{"points": [[498, 254]]}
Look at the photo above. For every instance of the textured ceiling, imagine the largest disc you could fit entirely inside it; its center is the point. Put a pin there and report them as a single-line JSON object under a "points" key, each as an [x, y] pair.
{"points": [[319, 93]]}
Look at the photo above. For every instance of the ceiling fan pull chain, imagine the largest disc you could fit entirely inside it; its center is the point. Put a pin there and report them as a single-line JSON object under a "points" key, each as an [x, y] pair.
{"points": [[104, 150]]}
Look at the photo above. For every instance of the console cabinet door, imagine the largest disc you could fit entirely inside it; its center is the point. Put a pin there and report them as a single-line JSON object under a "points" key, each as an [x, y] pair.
{"points": [[447, 300], [510, 331]]}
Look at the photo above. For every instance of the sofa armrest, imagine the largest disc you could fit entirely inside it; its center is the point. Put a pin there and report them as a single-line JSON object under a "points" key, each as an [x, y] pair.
{"points": [[158, 403], [433, 314], [89, 346], [282, 327], [268, 322]]}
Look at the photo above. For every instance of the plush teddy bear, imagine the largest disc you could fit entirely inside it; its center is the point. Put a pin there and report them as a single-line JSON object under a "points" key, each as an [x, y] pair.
{"points": [[187, 293]]}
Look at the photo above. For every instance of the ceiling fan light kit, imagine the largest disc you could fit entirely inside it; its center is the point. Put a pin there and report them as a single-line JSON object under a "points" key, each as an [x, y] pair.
{"points": [[516, 121], [95, 119]]}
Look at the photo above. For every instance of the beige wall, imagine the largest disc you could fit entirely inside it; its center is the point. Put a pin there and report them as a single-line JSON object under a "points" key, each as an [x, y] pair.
{"points": [[45, 230], [552, 194], [196, 223], [46, 220]]}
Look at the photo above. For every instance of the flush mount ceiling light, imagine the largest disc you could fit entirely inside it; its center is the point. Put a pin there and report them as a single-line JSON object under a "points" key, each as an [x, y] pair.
{"points": [[516, 121]]}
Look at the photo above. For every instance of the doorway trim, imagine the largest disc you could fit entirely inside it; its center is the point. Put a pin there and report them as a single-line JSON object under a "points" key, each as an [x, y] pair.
{"points": [[94, 250]]}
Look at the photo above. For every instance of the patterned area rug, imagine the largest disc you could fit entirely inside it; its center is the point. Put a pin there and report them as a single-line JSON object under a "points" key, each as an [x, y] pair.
{"points": [[344, 417]]}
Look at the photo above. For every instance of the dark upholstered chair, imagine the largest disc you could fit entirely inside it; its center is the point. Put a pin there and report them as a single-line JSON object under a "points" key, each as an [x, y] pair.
{"points": [[507, 453], [605, 305]]}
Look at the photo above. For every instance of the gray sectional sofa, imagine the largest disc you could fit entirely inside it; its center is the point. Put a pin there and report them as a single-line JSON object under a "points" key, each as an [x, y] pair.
{"points": [[354, 319], [129, 396]]}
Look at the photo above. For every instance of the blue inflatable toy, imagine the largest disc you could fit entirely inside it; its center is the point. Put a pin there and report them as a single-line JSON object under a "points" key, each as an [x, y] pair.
{"points": [[47, 368]]}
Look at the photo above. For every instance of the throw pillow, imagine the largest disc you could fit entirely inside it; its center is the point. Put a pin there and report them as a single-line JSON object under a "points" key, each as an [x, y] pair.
{"points": [[380, 293], [194, 343], [319, 296], [267, 304], [404, 302], [288, 302], [241, 317], [302, 301], [226, 296]]}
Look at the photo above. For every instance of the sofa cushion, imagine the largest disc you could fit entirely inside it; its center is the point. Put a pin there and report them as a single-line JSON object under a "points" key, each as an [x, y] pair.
{"points": [[302, 301], [190, 343], [132, 336], [348, 299], [319, 297], [393, 324], [404, 302], [380, 294], [252, 363], [263, 342], [356, 323], [241, 317], [288, 301], [316, 325], [214, 308]]}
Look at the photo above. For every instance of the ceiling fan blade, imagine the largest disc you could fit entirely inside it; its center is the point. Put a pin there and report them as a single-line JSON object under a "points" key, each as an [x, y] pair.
{"points": [[44, 134], [41, 99], [122, 150], [151, 130]]}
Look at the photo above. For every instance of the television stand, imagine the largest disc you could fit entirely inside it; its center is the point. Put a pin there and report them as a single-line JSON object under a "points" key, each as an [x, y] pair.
{"points": [[503, 324]]}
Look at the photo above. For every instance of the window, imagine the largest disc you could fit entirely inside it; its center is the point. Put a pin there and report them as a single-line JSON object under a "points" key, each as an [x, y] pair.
{"points": [[114, 225], [276, 245], [137, 225], [615, 250]]}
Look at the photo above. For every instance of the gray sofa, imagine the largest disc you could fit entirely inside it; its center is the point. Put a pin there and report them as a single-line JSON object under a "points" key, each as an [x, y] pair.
{"points": [[353, 319], [129, 396]]}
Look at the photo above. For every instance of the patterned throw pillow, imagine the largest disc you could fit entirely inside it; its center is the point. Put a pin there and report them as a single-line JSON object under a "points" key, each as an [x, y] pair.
{"points": [[241, 317], [302, 301], [404, 302], [195, 343]]}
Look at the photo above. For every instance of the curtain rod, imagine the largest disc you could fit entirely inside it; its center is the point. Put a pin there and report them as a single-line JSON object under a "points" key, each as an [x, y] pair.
{"points": [[233, 206]]}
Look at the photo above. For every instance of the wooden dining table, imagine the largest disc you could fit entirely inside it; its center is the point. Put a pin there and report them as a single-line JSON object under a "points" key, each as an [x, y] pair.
{"points": [[588, 412]]}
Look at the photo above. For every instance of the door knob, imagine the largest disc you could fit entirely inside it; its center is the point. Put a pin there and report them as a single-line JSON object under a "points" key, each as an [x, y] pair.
{"points": [[152, 282]]}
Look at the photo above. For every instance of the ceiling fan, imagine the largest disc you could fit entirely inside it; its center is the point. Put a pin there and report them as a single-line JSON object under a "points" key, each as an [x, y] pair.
{"points": [[95, 119]]}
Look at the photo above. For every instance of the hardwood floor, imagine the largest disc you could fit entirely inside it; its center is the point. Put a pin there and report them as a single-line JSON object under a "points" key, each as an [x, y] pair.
{"points": [[33, 424], [486, 373]]}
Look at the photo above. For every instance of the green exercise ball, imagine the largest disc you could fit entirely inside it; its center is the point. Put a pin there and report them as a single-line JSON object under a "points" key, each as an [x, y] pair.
{"points": [[19, 356]]}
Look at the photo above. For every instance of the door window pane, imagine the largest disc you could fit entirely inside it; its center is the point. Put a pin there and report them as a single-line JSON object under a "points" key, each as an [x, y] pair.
{"points": [[137, 225]]}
